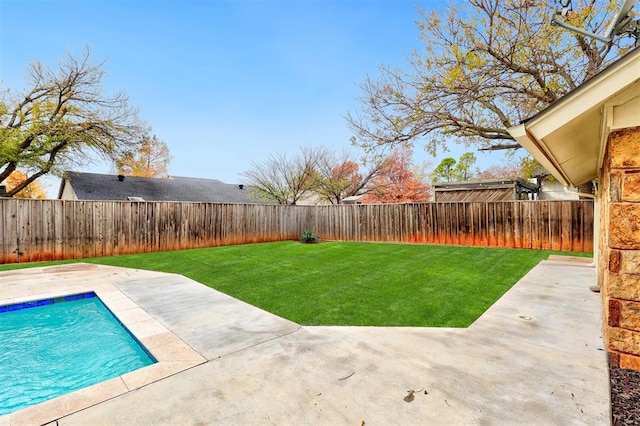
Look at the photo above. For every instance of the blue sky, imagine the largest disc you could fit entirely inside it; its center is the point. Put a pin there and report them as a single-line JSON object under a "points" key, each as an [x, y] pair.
{"points": [[225, 83]]}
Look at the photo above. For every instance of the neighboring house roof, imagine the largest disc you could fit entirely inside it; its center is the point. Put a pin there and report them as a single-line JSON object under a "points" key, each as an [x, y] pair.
{"points": [[94, 186], [568, 137], [483, 190], [353, 199]]}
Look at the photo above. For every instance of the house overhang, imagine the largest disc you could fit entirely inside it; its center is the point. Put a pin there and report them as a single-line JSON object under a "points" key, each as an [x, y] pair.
{"points": [[568, 137]]}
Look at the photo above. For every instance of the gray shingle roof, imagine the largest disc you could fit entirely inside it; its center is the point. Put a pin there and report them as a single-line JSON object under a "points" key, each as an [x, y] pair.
{"points": [[94, 186]]}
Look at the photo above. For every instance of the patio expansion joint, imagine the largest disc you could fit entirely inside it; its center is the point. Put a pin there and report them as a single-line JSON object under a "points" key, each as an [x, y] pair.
{"points": [[299, 327], [135, 389]]}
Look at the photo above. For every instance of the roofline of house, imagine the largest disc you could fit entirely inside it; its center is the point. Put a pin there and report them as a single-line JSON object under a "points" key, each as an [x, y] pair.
{"points": [[485, 184], [584, 101]]}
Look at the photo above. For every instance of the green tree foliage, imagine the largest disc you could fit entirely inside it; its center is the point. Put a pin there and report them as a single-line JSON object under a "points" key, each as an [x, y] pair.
{"points": [[485, 65], [61, 119], [150, 159], [529, 167], [464, 167], [445, 171], [450, 170]]}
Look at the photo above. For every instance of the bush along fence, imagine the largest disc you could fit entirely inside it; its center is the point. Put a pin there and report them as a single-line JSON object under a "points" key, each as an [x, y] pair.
{"points": [[34, 230]]}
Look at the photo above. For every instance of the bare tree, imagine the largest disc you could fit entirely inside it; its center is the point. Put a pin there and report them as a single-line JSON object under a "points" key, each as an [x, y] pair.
{"points": [[281, 180], [524, 167], [62, 119], [485, 66]]}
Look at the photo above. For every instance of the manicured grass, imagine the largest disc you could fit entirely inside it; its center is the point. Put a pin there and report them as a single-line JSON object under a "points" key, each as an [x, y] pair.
{"points": [[339, 283]]}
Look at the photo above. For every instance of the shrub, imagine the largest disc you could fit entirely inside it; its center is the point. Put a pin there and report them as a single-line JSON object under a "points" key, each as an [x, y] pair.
{"points": [[308, 237]]}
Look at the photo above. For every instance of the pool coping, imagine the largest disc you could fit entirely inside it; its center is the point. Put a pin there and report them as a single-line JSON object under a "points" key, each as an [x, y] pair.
{"points": [[172, 354]]}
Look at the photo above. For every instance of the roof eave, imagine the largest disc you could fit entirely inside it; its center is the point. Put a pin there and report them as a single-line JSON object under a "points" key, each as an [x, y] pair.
{"points": [[567, 137], [539, 151]]}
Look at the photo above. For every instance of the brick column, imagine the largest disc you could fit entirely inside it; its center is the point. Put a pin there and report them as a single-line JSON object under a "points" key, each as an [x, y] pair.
{"points": [[620, 247]]}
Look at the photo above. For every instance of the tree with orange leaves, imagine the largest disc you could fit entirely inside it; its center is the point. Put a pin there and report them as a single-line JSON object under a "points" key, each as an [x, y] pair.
{"points": [[398, 181], [339, 177], [150, 159], [32, 190]]}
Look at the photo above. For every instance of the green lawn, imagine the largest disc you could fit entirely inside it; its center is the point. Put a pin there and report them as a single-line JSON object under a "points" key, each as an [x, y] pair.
{"points": [[340, 283]]}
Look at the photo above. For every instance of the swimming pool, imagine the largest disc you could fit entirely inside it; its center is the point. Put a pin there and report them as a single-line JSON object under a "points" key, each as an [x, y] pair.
{"points": [[54, 346]]}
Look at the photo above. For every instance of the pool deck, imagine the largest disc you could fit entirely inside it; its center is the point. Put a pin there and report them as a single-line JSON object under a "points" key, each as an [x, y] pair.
{"points": [[535, 357]]}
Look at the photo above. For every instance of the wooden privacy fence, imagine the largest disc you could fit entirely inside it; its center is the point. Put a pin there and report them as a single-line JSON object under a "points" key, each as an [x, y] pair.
{"points": [[545, 225], [33, 230]]}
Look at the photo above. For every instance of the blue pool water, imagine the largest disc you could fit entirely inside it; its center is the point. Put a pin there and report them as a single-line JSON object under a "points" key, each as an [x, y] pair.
{"points": [[55, 346]]}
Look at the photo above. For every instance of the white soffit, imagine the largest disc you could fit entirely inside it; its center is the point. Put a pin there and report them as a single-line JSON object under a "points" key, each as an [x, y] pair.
{"points": [[566, 137]]}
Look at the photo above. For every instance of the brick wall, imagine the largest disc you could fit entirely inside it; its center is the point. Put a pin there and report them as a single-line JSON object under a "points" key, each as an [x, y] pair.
{"points": [[620, 247]]}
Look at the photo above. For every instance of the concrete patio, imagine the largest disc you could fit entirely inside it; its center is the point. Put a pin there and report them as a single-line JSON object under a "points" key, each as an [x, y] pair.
{"points": [[535, 357]]}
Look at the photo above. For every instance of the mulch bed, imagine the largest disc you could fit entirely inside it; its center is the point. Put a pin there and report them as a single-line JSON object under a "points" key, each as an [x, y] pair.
{"points": [[625, 396]]}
